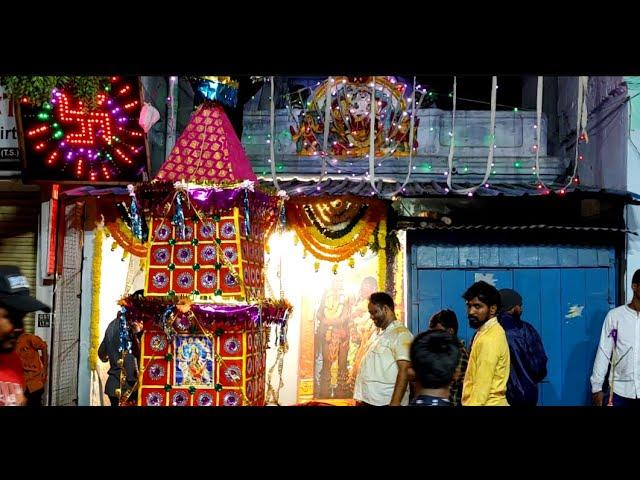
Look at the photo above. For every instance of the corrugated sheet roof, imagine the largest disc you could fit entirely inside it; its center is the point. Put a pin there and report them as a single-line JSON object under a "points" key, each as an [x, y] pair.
{"points": [[417, 225], [330, 186], [425, 189]]}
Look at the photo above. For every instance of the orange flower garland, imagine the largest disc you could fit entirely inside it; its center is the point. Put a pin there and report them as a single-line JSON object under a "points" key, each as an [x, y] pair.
{"points": [[335, 228], [123, 237]]}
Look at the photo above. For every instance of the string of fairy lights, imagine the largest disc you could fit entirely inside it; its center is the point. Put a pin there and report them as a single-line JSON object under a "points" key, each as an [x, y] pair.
{"points": [[48, 135], [331, 164], [345, 166]]}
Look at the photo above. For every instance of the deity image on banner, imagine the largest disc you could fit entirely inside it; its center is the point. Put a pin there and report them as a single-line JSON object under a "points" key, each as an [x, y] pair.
{"points": [[337, 326], [194, 361], [350, 118]]}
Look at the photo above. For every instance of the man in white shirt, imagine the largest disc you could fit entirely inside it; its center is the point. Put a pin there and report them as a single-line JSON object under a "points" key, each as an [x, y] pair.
{"points": [[383, 376], [620, 347]]}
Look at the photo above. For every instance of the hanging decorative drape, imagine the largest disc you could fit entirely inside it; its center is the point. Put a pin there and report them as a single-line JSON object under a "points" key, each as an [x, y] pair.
{"points": [[333, 228]]}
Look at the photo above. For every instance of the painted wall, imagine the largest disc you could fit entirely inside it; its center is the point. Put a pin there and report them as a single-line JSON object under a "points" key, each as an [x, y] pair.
{"points": [[112, 287], [633, 182], [605, 155]]}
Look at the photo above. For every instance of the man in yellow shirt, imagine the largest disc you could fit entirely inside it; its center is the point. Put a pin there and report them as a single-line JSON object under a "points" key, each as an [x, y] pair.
{"points": [[485, 382]]}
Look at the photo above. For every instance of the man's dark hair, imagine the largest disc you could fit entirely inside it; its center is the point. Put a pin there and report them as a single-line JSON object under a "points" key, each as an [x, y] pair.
{"points": [[636, 277], [446, 318], [487, 294], [382, 299], [434, 357], [16, 316]]}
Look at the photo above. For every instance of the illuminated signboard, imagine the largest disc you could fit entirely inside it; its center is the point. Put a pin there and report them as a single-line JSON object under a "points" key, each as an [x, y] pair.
{"points": [[64, 141]]}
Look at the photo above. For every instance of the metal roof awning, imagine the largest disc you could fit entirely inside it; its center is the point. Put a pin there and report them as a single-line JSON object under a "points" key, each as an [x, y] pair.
{"points": [[416, 224], [331, 186], [89, 191], [343, 186]]}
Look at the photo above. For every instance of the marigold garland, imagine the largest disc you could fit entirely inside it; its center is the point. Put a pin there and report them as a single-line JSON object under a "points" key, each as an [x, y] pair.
{"points": [[333, 229], [96, 278], [398, 279], [122, 235], [337, 210], [331, 250], [382, 255]]}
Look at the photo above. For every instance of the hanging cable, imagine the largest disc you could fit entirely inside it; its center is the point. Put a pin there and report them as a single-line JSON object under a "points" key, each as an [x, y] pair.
{"points": [[272, 150], [327, 123], [372, 138], [325, 150], [452, 134], [581, 125], [414, 107], [492, 136], [539, 94]]}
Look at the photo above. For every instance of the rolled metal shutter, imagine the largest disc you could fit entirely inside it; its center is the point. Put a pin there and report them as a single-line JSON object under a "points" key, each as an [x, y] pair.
{"points": [[19, 212]]}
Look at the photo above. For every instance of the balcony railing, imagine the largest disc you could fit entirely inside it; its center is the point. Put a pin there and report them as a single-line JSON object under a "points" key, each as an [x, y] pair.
{"points": [[514, 153]]}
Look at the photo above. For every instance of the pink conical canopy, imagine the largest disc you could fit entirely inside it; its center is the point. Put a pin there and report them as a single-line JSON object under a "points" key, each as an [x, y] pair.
{"points": [[208, 151]]}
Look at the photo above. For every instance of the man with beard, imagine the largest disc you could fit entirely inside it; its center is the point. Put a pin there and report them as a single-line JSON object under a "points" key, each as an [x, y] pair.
{"points": [[15, 303], [528, 359], [384, 371], [485, 382]]}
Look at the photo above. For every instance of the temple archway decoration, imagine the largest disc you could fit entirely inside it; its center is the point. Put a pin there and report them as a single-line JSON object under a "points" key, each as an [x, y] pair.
{"points": [[351, 118]]}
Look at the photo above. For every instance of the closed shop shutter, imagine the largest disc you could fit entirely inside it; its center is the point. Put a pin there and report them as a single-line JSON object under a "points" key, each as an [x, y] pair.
{"points": [[19, 213]]}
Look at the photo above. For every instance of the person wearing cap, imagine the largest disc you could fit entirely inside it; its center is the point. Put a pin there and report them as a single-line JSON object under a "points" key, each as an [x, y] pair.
{"points": [[15, 303], [528, 358]]}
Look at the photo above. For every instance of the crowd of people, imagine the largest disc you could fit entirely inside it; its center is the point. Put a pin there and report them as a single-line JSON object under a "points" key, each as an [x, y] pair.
{"points": [[502, 366], [504, 363]]}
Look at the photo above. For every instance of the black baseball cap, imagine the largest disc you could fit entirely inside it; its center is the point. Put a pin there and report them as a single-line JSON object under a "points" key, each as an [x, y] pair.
{"points": [[14, 291], [509, 299]]}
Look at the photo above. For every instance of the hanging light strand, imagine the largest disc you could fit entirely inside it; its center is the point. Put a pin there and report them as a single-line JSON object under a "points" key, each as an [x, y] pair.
{"points": [[327, 123], [581, 126], [539, 94], [272, 148], [492, 136], [414, 107], [372, 138]]}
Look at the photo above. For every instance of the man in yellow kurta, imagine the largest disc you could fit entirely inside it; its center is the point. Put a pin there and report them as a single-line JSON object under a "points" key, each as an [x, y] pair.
{"points": [[485, 382]]}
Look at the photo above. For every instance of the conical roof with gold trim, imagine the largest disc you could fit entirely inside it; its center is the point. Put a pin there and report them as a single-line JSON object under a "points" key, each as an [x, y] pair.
{"points": [[208, 151]]}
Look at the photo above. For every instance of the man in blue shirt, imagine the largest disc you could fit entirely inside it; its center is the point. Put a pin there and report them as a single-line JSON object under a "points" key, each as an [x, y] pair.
{"points": [[528, 358]]}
